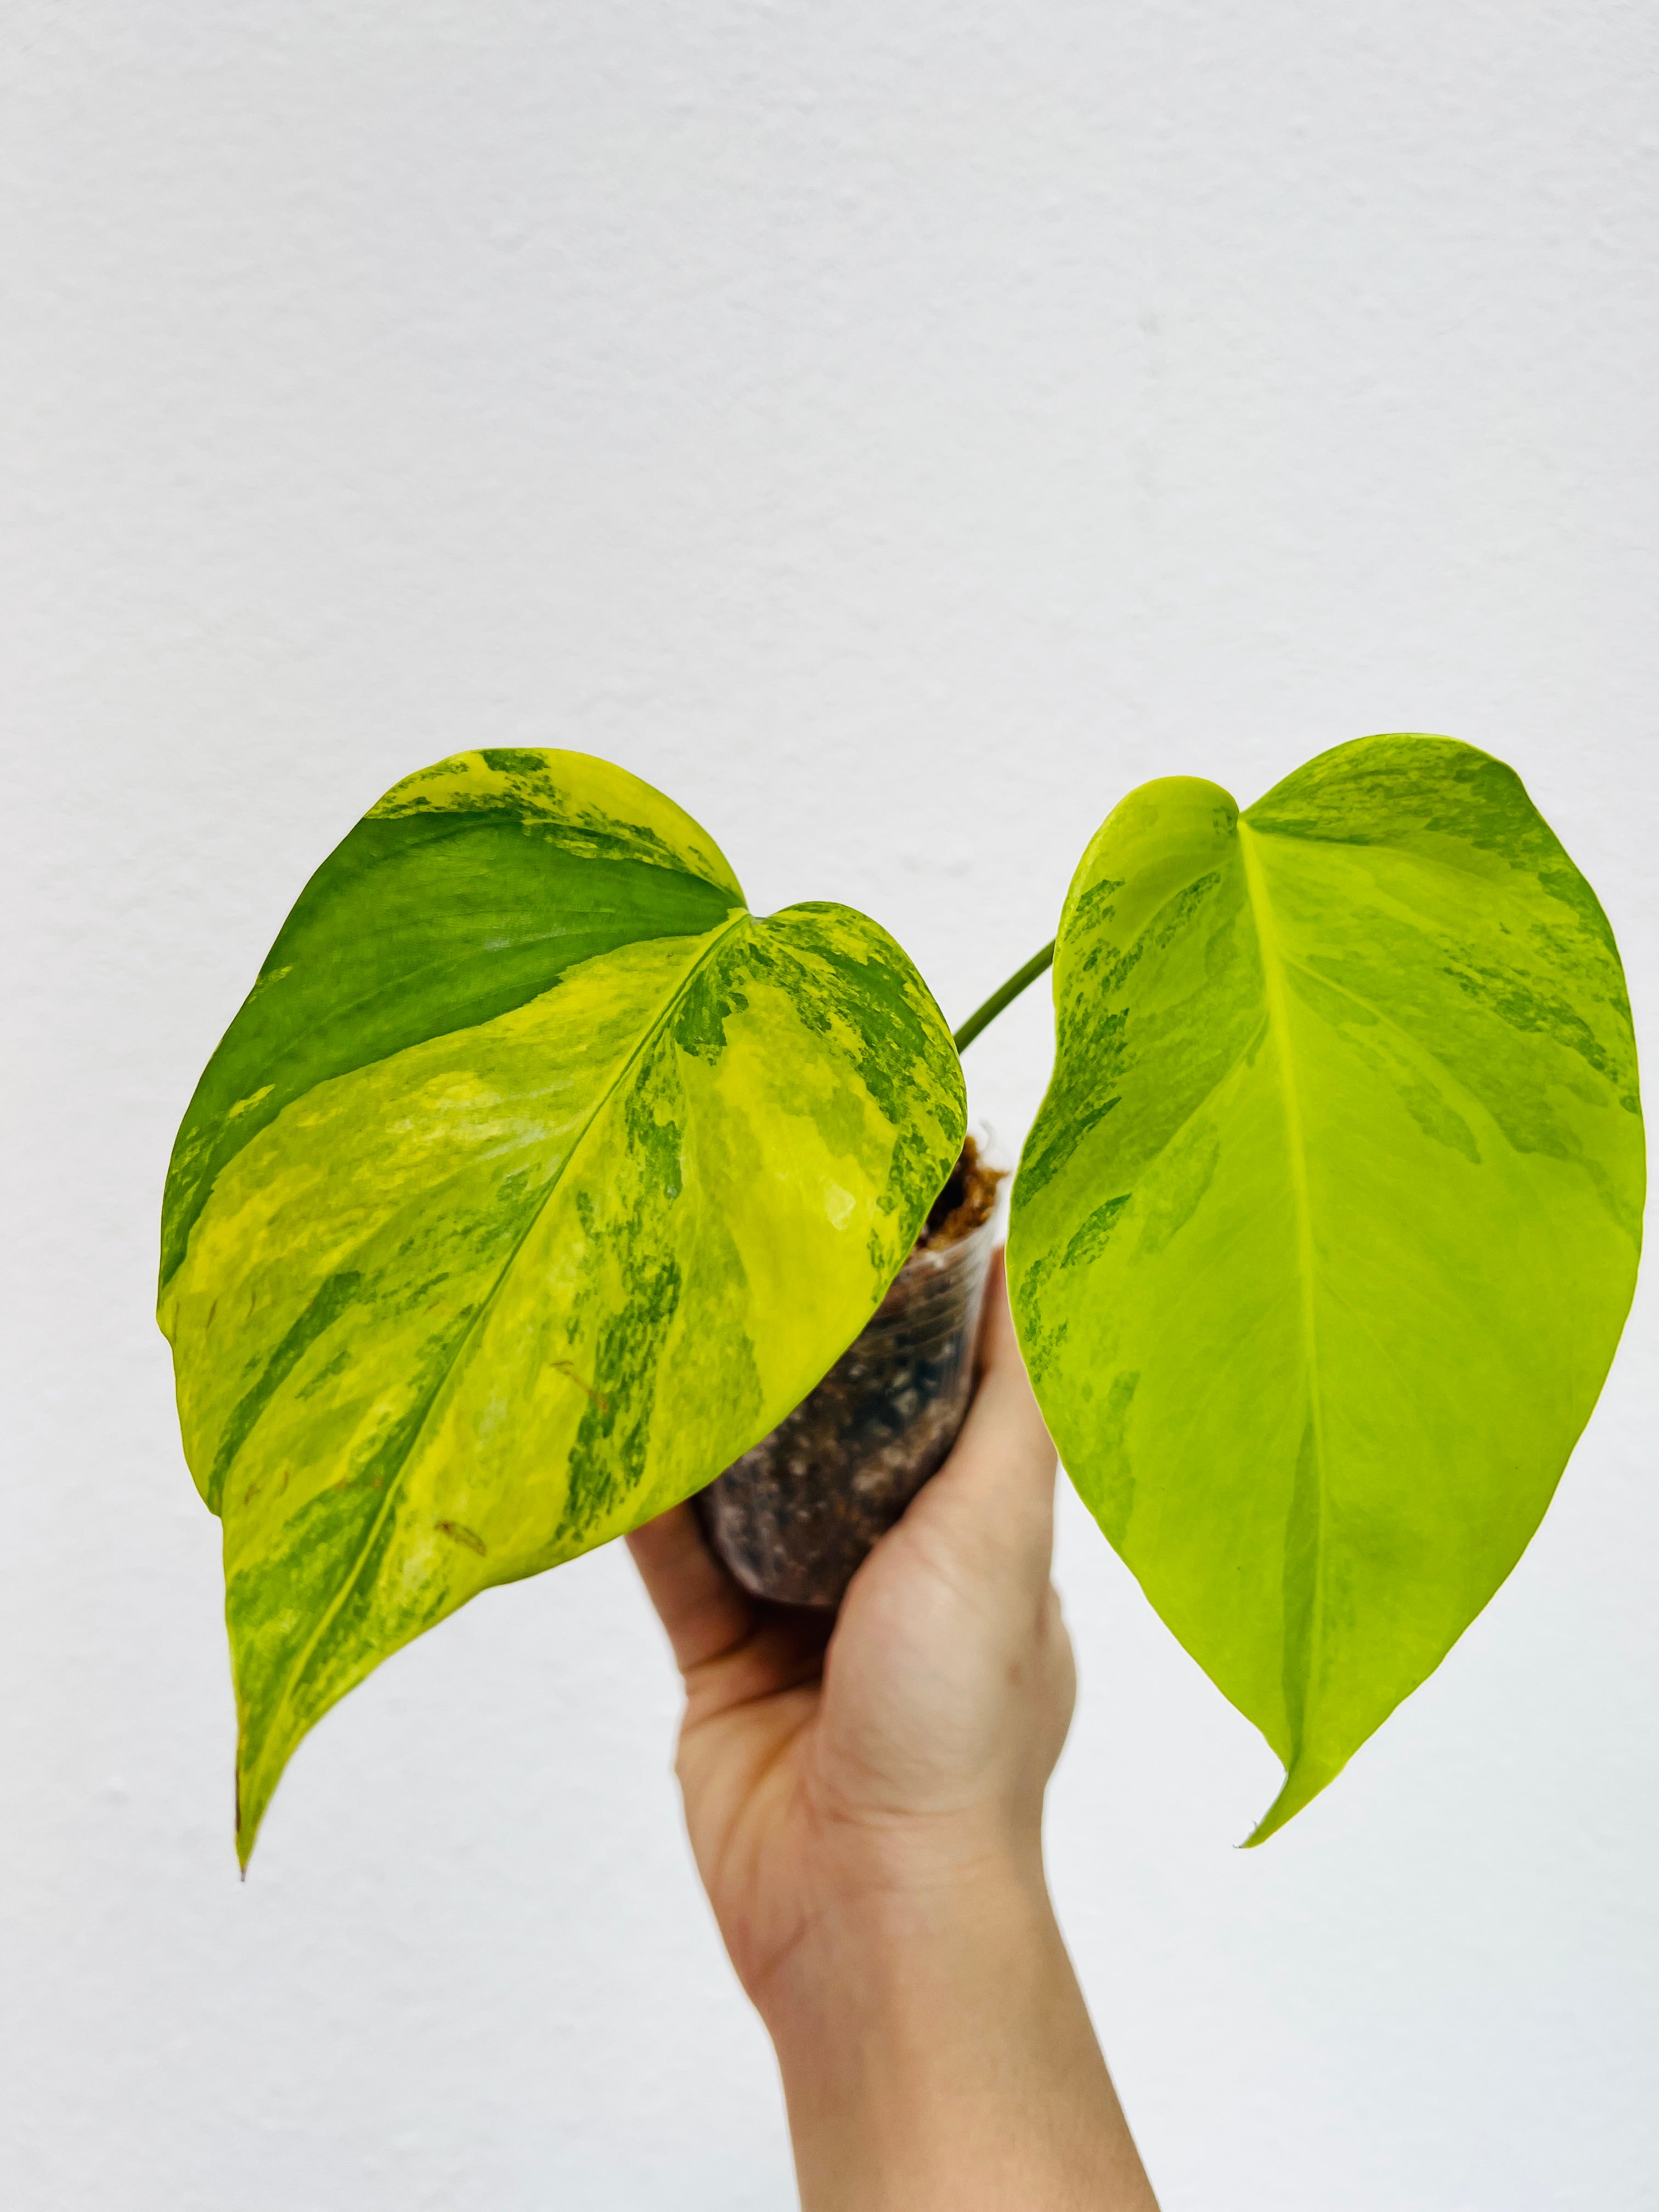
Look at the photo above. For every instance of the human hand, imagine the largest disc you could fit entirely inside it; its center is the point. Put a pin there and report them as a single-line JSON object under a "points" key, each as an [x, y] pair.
{"points": [[864, 1803]]}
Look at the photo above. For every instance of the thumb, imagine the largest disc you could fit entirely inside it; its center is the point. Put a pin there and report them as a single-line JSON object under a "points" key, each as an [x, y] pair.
{"points": [[993, 1499]]}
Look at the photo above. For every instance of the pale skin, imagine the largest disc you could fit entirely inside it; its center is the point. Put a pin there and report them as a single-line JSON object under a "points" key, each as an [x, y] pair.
{"points": [[866, 1810]]}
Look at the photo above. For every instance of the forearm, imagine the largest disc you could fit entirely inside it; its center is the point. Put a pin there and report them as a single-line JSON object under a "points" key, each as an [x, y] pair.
{"points": [[936, 2052]]}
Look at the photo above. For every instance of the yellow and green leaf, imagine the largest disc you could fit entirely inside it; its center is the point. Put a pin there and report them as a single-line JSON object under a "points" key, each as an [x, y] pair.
{"points": [[1323, 1239], [535, 1181]]}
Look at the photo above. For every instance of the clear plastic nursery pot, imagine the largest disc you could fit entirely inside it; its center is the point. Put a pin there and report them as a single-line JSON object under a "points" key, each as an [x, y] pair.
{"points": [[795, 1517]]}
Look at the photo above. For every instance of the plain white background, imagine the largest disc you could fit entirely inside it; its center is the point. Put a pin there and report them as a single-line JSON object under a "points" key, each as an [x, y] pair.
{"points": [[895, 430]]}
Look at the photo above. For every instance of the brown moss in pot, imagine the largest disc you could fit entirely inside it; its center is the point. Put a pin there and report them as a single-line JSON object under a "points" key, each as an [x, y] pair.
{"points": [[796, 1515]]}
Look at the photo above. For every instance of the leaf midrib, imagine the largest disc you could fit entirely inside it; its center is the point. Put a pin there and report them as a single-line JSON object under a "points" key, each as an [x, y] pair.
{"points": [[1274, 960], [395, 1480]]}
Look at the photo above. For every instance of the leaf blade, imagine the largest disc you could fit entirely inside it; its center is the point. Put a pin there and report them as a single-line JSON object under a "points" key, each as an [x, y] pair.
{"points": [[465, 1310], [1298, 1366]]}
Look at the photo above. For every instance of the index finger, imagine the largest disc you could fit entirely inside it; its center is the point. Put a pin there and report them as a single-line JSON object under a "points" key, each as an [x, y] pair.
{"points": [[704, 1611]]}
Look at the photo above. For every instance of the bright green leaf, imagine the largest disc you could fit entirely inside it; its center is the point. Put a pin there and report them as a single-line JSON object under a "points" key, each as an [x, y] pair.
{"points": [[1324, 1236], [536, 1179]]}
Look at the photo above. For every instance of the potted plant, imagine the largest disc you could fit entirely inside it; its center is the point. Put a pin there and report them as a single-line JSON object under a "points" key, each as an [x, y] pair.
{"points": [[537, 1181]]}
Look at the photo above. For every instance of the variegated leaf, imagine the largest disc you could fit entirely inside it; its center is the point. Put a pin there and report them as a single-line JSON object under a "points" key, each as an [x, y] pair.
{"points": [[535, 1181], [1324, 1236]]}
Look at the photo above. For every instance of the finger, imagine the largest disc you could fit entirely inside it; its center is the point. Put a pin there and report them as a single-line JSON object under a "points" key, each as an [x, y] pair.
{"points": [[1000, 1353], [1005, 1401], [998, 1481], [698, 1603]]}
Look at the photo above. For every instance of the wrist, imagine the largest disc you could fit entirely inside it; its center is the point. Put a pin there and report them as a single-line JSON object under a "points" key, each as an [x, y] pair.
{"points": [[891, 1905], [888, 1926]]}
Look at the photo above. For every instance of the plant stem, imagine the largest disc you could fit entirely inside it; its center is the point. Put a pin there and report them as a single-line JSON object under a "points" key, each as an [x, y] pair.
{"points": [[999, 999]]}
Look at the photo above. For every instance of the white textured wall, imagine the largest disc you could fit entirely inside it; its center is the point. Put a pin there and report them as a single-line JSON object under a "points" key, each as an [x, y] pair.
{"points": [[895, 430]]}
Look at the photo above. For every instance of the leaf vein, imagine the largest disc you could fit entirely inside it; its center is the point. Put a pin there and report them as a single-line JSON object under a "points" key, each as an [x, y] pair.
{"points": [[1274, 960]]}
